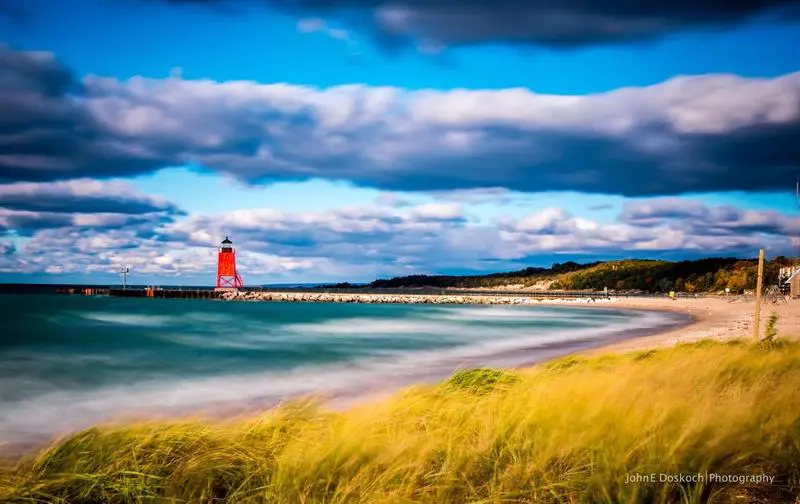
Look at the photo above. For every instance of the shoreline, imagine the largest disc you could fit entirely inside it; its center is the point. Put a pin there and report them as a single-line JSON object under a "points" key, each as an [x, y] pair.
{"points": [[714, 318], [586, 346], [708, 318], [694, 319]]}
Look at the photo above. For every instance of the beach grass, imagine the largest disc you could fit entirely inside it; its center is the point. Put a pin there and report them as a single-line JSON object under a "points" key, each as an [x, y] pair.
{"points": [[569, 431]]}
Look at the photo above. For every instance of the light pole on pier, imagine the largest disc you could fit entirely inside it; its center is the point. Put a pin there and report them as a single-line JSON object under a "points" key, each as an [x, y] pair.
{"points": [[123, 272]]}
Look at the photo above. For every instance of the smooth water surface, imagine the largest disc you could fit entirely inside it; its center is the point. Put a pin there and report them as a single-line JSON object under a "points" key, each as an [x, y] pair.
{"points": [[69, 361]]}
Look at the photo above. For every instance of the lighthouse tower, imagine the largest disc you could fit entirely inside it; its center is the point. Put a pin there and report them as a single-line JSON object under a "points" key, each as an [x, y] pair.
{"points": [[227, 277]]}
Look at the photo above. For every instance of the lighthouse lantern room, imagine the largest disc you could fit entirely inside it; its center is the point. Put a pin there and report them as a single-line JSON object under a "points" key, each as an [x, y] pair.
{"points": [[227, 276]]}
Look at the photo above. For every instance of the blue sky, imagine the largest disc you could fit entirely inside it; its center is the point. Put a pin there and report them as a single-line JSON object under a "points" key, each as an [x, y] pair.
{"points": [[128, 38], [361, 141]]}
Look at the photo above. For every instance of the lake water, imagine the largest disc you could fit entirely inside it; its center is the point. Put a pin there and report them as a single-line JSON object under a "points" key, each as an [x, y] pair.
{"points": [[69, 361]]}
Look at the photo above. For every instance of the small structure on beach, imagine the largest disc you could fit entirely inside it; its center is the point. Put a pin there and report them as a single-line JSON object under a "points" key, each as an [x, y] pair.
{"points": [[227, 276], [789, 281]]}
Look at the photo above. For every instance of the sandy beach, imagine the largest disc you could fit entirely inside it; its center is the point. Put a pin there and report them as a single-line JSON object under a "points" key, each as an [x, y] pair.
{"points": [[715, 318]]}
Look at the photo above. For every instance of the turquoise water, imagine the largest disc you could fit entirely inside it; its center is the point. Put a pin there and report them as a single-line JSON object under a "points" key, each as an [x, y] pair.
{"points": [[69, 361]]}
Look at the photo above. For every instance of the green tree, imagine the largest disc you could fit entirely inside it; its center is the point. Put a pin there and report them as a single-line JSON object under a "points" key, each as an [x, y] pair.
{"points": [[665, 284], [720, 281], [737, 281]]}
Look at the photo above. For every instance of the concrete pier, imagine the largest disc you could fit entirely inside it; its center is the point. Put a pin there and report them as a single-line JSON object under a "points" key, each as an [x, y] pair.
{"points": [[367, 296], [370, 296]]}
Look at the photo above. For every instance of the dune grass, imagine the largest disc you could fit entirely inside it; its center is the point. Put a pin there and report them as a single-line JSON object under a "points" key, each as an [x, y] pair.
{"points": [[565, 432]]}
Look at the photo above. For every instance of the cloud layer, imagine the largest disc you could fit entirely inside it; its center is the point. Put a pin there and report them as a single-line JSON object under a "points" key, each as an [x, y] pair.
{"points": [[688, 134], [27, 207], [551, 23], [364, 242], [66, 143]]}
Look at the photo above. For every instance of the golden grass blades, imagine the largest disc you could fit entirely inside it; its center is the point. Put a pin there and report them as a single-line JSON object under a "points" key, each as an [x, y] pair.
{"points": [[572, 431]]}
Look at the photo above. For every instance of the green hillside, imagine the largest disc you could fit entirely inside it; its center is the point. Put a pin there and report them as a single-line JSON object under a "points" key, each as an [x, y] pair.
{"points": [[702, 275]]}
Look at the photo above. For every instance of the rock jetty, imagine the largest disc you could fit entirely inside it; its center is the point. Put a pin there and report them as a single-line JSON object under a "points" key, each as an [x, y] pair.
{"points": [[321, 297]]}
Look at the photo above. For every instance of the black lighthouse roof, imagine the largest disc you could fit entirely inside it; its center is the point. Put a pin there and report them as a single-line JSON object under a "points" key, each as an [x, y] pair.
{"points": [[227, 241]]}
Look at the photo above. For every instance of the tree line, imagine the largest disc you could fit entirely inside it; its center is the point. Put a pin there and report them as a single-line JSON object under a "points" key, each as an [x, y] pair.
{"points": [[691, 276]]}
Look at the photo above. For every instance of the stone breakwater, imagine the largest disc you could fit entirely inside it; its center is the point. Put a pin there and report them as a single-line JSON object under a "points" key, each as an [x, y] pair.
{"points": [[315, 297]]}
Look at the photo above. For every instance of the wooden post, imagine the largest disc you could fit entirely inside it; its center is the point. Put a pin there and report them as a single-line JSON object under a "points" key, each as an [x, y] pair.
{"points": [[757, 320]]}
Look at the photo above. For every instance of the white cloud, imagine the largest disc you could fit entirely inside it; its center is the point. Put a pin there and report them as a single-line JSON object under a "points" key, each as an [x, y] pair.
{"points": [[84, 203], [437, 211], [362, 242], [69, 195], [687, 134], [317, 25]]}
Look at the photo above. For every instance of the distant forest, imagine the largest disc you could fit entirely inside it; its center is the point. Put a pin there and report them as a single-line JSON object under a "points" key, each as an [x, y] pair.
{"points": [[703, 275]]}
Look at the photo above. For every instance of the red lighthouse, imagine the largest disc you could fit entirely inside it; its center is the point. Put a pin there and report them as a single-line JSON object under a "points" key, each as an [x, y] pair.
{"points": [[227, 276]]}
